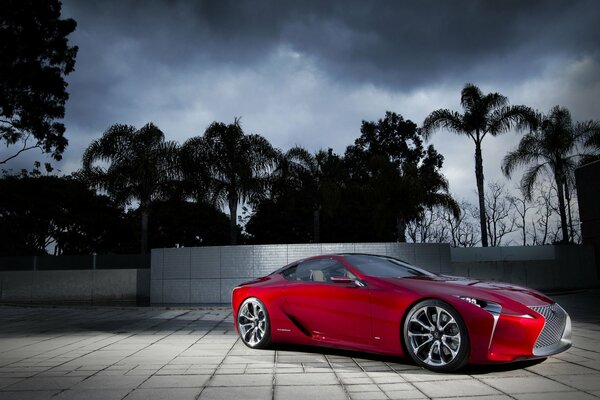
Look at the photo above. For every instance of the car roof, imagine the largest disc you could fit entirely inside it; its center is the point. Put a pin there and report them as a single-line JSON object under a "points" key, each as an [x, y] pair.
{"points": [[373, 255], [331, 255]]}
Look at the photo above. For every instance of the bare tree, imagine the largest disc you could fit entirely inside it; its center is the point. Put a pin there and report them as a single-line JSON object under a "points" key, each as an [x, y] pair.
{"points": [[500, 221], [542, 225], [464, 230], [572, 209], [521, 206], [430, 227]]}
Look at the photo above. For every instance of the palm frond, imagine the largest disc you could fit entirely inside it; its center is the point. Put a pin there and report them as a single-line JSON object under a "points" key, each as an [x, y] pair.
{"points": [[502, 119], [528, 151], [443, 119], [470, 97], [444, 201], [495, 100], [298, 160], [589, 132], [530, 177], [560, 117]]}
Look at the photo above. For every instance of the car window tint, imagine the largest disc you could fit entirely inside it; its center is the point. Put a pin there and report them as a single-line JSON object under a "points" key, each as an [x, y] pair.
{"points": [[320, 270], [384, 267], [290, 273]]}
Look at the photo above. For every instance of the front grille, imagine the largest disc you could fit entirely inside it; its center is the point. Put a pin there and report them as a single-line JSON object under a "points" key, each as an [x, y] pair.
{"points": [[554, 326]]}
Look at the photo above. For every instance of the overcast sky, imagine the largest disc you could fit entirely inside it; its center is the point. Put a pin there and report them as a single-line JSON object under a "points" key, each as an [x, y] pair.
{"points": [[307, 73]]}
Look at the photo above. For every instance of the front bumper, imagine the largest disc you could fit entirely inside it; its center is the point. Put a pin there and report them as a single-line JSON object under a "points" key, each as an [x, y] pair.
{"points": [[543, 332], [555, 336]]}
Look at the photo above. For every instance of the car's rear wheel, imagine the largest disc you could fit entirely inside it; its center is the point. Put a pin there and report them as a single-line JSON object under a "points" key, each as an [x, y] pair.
{"points": [[436, 336], [253, 323]]}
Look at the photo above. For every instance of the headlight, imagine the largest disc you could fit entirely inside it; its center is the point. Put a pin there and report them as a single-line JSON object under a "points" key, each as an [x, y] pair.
{"points": [[488, 306], [493, 308]]}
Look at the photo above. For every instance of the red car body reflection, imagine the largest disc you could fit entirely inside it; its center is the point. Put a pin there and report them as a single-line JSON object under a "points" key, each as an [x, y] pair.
{"points": [[503, 322]]}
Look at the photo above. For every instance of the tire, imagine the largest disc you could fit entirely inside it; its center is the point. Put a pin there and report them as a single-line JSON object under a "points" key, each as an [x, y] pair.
{"points": [[441, 347], [253, 324]]}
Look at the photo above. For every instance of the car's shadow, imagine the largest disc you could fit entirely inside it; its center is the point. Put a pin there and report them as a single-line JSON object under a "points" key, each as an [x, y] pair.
{"points": [[407, 364]]}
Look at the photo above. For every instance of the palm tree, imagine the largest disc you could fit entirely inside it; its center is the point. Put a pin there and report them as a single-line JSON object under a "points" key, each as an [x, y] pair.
{"points": [[484, 115], [238, 166], [195, 170], [131, 165], [552, 148], [314, 172], [591, 141]]}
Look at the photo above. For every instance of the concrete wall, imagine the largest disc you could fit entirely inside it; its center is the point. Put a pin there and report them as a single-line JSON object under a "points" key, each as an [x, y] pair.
{"points": [[103, 287], [538, 267], [206, 275], [79, 262]]}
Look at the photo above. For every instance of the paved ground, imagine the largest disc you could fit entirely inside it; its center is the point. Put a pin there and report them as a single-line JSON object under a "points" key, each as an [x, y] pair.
{"points": [[95, 353]]}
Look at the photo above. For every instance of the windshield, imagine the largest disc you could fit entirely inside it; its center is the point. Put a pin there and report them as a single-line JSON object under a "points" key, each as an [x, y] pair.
{"points": [[384, 267]]}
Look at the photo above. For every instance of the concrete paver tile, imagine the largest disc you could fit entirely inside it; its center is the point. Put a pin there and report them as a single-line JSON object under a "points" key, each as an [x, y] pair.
{"points": [[555, 396], [113, 382], [45, 383], [387, 378], [288, 370], [164, 394], [8, 381], [536, 384], [177, 381], [250, 359], [455, 388], [490, 397], [377, 395], [230, 371], [28, 395], [412, 394], [330, 392], [355, 381], [292, 357], [306, 379], [367, 387], [394, 387], [562, 368], [427, 376], [242, 380], [228, 393], [179, 371], [581, 382], [196, 360], [92, 394]]}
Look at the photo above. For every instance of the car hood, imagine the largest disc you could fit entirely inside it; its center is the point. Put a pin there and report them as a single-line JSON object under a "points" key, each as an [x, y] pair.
{"points": [[487, 290]]}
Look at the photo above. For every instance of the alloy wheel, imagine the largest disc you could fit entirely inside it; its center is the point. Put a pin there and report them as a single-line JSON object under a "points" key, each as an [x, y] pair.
{"points": [[253, 323], [436, 336]]}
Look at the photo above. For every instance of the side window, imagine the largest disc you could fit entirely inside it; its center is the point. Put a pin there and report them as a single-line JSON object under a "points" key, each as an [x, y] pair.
{"points": [[317, 271], [290, 273]]}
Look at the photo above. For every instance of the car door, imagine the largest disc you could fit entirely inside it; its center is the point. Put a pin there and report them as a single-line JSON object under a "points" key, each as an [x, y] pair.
{"points": [[325, 310]]}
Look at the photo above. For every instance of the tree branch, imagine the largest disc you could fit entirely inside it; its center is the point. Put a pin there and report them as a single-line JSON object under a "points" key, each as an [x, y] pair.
{"points": [[25, 148]]}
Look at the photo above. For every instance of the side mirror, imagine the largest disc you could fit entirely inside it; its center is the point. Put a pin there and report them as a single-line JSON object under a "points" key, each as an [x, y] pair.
{"points": [[341, 279], [344, 280]]}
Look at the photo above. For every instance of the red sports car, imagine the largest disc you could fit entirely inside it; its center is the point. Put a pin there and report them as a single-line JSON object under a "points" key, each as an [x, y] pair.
{"points": [[383, 305]]}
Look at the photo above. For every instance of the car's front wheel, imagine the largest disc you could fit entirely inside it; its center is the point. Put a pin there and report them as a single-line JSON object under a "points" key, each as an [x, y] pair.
{"points": [[436, 336], [253, 323]]}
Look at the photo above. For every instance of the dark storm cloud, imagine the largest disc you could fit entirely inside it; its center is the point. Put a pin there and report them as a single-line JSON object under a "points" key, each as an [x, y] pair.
{"points": [[132, 51], [308, 72], [398, 43]]}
